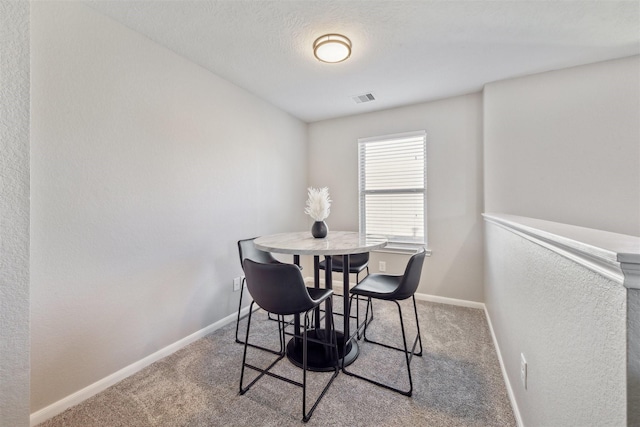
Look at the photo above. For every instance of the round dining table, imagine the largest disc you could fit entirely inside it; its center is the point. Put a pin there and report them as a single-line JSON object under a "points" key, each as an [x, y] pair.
{"points": [[336, 243]]}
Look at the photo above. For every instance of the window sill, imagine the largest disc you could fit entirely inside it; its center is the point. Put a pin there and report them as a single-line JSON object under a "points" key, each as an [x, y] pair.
{"points": [[397, 249]]}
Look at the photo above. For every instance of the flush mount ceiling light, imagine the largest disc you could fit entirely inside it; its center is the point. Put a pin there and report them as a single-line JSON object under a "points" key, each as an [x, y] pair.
{"points": [[332, 48]]}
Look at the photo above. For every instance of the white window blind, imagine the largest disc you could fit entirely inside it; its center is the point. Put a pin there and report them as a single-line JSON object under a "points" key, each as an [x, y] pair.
{"points": [[392, 187]]}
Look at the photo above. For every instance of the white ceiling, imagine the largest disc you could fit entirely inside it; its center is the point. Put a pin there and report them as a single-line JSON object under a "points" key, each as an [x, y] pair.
{"points": [[404, 52]]}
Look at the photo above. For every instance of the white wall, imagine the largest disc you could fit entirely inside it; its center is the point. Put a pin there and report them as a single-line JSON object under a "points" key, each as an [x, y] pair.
{"points": [[454, 185], [570, 324], [562, 146], [14, 214], [146, 170], [633, 356], [565, 146]]}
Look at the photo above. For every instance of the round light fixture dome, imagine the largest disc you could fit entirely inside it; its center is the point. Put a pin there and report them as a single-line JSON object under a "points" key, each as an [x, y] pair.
{"points": [[332, 48]]}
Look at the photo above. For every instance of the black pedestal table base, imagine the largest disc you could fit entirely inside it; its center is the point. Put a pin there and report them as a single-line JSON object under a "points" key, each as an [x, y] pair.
{"points": [[319, 357]]}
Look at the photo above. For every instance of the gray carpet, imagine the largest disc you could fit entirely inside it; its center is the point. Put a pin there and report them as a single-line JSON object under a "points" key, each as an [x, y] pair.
{"points": [[457, 382]]}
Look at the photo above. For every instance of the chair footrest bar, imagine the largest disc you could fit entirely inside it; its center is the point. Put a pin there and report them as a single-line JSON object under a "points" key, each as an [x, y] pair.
{"points": [[310, 339], [412, 352], [262, 372], [259, 347], [271, 374], [340, 314], [359, 328], [379, 384]]}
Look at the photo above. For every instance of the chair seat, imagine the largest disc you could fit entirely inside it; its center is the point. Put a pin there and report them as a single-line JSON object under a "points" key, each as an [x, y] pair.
{"points": [[337, 266], [380, 286], [319, 294]]}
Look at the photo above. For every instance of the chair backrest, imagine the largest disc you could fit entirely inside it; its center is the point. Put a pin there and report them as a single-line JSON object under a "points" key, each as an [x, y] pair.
{"points": [[277, 288], [355, 260], [247, 250], [411, 278]]}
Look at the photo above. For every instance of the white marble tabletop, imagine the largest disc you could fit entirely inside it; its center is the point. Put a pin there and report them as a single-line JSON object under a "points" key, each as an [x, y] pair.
{"points": [[303, 243]]}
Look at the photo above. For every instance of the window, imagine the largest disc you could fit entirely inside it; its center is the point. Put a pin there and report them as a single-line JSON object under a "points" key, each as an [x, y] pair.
{"points": [[393, 188]]}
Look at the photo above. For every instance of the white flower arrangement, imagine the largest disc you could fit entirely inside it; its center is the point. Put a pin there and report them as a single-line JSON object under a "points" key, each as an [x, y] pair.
{"points": [[318, 203]]}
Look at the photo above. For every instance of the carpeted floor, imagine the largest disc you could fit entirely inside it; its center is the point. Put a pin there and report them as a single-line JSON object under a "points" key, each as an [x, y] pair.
{"points": [[457, 382]]}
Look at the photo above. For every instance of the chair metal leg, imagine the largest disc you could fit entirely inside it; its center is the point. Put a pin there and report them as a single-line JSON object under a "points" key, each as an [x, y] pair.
{"points": [[369, 303], [334, 344], [367, 319], [358, 310], [239, 341], [418, 339], [357, 316], [239, 309], [415, 311], [408, 354], [244, 355]]}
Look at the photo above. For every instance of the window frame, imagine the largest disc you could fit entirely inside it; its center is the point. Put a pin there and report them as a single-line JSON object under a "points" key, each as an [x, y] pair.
{"points": [[395, 245]]}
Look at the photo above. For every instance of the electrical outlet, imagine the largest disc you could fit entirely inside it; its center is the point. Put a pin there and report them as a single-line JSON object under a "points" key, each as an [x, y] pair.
{"points": [[237, 281], [523, 371], [382, 266]]}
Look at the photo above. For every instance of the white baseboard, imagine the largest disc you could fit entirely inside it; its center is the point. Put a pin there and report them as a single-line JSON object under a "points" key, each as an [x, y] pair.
{"points": [[421, 297], [101, 385], [507, 383], [450, 301]]}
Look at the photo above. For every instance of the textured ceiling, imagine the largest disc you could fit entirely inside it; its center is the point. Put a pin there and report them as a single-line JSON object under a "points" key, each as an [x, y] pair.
{"points": [[404, 52]]}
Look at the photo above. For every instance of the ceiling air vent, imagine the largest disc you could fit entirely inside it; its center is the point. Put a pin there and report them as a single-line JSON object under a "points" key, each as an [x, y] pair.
{"points": [[367, 97]]}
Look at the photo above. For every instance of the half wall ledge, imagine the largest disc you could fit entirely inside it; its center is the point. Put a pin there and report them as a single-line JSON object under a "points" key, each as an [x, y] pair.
{"points": [[615, 256]]}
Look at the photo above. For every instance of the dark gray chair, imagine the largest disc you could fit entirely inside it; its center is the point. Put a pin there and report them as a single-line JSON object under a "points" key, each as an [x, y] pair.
{"points": [[280, 289], [357, 264], [393, 288]]}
